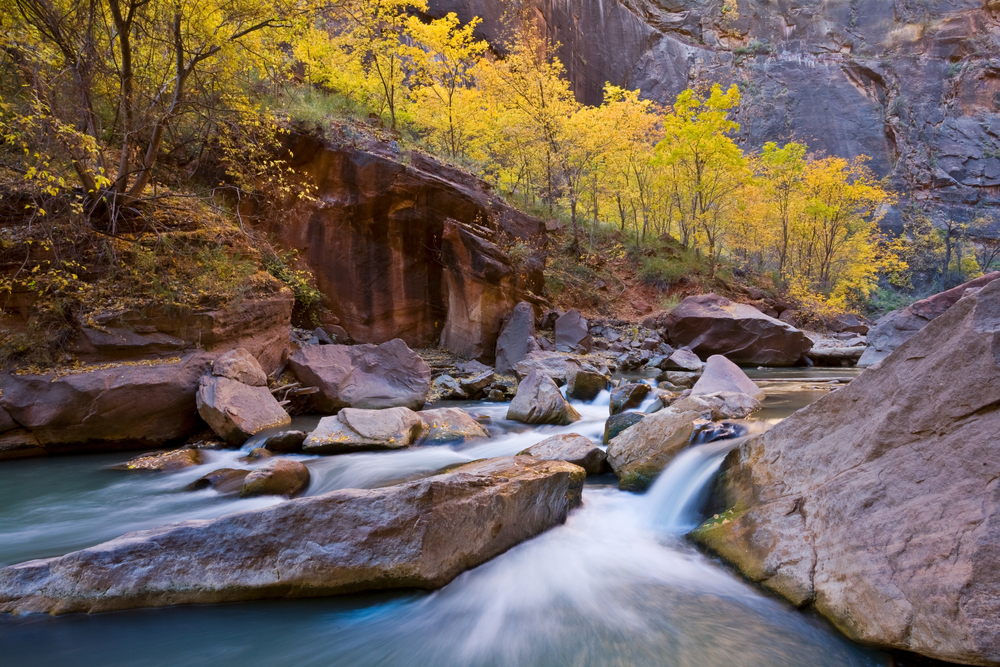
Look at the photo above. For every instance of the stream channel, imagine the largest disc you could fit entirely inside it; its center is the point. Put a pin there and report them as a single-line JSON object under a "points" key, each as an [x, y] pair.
{"points": [[617, 585]]}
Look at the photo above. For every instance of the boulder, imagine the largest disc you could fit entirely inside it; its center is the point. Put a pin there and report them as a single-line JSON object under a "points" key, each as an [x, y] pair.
{"points": [[585, 384], [235, 411], [177, 459], [256, 454], [446, 426], [448, 388], [895, 328], [363, 376], [879, 503], [710, 324], [513, 341], [223, 480], [618, 423], [241, 366], [572, 448], [284, 442], [355, 430], [848, 323], [722, 375], [721, 405], [679, 378], [473, 367], [572, 333], [640, 453], [538, 401], [132, 404], [420, 534], [473, 386], [681, 360], [280, 477], [553, 364], [627, 397]]}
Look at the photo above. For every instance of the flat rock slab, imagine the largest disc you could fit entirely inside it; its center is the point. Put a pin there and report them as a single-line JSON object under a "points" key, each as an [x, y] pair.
{"points": [[879, 503], [416, 535], [572, 448]]}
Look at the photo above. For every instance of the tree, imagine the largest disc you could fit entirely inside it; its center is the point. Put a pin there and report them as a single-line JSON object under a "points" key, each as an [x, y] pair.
{"points": [[104, 87], [445, 56], [780, 171], [704, 168]]}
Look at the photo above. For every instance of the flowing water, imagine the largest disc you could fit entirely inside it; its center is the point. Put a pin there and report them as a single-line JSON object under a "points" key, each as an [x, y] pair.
{"points": [[616, 585]]}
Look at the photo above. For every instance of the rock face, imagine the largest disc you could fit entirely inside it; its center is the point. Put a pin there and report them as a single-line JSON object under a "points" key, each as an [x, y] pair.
{"points": [[407, 250], [363, 376], [235, 411], [416, 535], [281, 477], [710, 324], [640, 453], [538, 401], [572, 448], [447, 426], [879, 503], [572, 333], [722, 375], [355, 430], [514, 339], [895, 328]]}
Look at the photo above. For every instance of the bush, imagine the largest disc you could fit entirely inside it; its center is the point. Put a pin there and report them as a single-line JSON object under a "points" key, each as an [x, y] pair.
{"points": [[308, 299]]}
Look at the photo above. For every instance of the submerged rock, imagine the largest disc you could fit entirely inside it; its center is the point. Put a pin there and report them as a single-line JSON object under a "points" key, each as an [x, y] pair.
{"points": [[627, 397], [639, 454], [879, 503], [177, 459], [363, 376], [572, 448], [447, 426], [223, 480], [354, 430], [538, 401], [710, 324], [420, 534], [280, 477]]}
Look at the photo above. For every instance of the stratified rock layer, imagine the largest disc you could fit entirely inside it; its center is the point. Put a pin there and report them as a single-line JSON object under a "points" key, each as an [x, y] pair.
{"points": [[417, 535], [880, 503]]}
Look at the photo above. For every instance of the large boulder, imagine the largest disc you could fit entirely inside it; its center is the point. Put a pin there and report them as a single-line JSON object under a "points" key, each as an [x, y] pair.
{"points": [[280, 477], [538, 401], [710, 324], [572, 333], [879, 503], [572, 448], [241, 366], [236, 411], [722, 375], [449, 426], [515, 337], [126, 405], [895, 328], [356, 430], [640, 453], [363, 376], [421, 534]]}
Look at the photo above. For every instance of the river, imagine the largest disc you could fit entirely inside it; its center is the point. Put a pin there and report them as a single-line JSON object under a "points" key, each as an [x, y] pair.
{"points": [[617, 585]]}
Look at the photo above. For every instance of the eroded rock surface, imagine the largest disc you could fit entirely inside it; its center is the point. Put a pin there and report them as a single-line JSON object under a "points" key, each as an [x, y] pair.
{"points": [[880, 502], [416, 535]]}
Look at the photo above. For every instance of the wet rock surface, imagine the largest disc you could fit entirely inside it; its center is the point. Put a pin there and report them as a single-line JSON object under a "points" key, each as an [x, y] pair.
{"points": [[640, 453], [363, 376], [572, 448], [416, 535], [177, 459], [538, 401], [280, 477], [355, 430], [878, 503], [284, 442], [450, 426], [223, 480], [618, 423], [628, 397], [236, 411]]}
